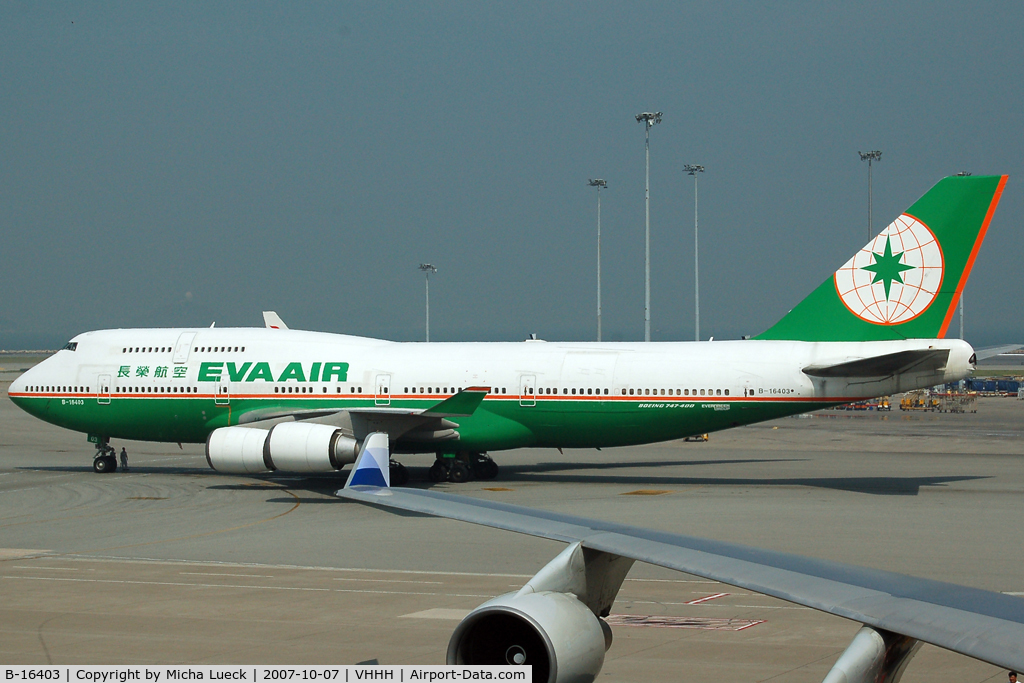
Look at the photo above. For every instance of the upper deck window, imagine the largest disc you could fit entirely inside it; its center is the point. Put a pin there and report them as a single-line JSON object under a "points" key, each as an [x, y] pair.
{"points": [[70, 346]]}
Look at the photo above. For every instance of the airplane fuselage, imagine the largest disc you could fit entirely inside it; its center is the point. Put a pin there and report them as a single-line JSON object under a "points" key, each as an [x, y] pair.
{"points": [[178, 385]]}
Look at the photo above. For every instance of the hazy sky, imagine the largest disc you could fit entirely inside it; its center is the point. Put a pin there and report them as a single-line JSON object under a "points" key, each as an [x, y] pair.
{"points": [[178, 164]]}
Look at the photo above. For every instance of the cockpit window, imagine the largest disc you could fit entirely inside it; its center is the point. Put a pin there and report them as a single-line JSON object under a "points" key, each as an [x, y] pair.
{"points": [[70, 346]]}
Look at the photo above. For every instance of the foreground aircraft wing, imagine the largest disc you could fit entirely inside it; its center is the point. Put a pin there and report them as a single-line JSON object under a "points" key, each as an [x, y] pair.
{"points": [[982, 624]]}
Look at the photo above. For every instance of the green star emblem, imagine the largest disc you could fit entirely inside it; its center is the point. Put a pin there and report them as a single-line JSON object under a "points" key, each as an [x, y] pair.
{"points": [[887, 268]]}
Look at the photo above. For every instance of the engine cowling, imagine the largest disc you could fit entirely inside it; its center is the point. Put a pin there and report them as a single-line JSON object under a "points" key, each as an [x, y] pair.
{"points": [[556, 633], [286, 447], [236, 450]]}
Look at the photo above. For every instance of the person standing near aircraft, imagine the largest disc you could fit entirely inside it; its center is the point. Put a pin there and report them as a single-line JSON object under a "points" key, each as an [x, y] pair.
{"points": [[124, 459]]}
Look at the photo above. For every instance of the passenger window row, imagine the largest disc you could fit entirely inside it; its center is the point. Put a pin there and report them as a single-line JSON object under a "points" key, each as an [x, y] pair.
{"points": [[168, 349], [678, 392], [47, 388], [156, 390], [444, 390], [573, 391]]}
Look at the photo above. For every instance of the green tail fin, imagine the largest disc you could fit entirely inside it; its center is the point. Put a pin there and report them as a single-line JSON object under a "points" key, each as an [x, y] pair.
{"points": [[905, 283]]}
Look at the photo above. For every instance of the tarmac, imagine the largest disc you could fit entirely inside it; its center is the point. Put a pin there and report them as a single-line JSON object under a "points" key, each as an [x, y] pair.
{"points": [[172, 563]]}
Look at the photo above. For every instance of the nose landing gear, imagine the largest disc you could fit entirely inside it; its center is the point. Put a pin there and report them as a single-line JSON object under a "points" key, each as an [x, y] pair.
{"points": [[462, 467]]}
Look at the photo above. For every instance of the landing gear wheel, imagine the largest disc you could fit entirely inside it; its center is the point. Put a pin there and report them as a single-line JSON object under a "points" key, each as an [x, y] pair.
{"points": [[399, 475], [104, 464], [438, 472], [459, 472]]}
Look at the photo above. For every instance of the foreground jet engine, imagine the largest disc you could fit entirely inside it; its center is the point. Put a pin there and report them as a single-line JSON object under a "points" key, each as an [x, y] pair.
{"points": [[286, 447], [553, 623]]}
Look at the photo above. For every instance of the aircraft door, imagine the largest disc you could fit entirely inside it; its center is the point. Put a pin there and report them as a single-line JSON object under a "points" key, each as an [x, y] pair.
{"points": [[527, 390], [183, 347], [223, 395], [103, 390], [383, 394]]}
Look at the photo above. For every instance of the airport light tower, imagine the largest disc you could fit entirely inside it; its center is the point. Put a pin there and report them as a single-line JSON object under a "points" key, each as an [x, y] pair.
{"points": [[600, 185], [427, 270], [649, 119], [874, 155], [694, 169]]}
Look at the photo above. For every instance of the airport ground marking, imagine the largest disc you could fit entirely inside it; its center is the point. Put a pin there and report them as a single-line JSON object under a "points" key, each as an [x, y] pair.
{"points": [[181, 584], [345, 578], [706, 598], [217, 563], [54, 569], [244, 576]]}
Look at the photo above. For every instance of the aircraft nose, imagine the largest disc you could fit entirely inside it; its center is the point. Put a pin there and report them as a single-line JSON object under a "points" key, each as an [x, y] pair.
{"points": [[18, 390]]}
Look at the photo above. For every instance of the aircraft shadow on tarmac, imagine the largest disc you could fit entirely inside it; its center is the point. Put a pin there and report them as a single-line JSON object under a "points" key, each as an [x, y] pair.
{"points": [[583, 473], [134, 469], [883, 486]]}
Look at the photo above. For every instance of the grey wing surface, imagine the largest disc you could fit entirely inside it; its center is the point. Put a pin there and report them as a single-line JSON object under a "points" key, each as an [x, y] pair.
{"points": [[982, 624]]}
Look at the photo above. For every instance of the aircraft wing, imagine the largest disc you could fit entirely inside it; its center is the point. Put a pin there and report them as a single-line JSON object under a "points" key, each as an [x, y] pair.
{"points": [[982, 624], [428, 424]]}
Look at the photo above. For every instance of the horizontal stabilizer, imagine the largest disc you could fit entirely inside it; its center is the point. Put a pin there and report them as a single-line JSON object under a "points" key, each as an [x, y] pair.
{"points": [[920, 360], [991, 351]]}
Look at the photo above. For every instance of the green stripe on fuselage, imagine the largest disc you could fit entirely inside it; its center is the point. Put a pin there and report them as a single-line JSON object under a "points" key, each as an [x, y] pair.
{"points": [[497, 424]]}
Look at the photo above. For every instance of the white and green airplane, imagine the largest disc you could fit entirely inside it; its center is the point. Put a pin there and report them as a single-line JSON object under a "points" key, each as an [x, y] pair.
{"points": [[265, 399]]}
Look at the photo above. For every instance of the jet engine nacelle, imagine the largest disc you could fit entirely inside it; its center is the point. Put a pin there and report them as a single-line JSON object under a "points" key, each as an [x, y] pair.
{"points": [[556, 633], [286, 447]]}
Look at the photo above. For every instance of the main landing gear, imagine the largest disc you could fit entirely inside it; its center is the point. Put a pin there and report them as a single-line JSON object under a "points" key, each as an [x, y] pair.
{"points": [[398, 474], [461, 467], [105, 459]]}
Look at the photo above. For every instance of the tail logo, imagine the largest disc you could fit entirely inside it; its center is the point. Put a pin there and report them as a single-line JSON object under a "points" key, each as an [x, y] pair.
{"points": [[895, 277]]}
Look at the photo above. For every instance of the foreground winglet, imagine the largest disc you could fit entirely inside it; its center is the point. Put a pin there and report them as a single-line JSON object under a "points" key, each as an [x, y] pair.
{"points": [[373, 466]]}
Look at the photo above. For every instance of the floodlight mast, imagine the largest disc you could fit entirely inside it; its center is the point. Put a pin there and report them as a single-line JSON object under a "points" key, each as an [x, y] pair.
{"points": [[694, 169], [649, 119], [873, 155], [427, 270], [600, 185]]}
